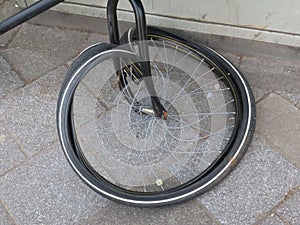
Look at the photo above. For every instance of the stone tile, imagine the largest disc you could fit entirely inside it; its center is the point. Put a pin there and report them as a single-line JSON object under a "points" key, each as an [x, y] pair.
{"points": [[233, 58], [97, 38], [4, 217], [291, 209], [10, 152], [259, 93], [278, 121], [272, 74], [9, 80], [273, 220], [47, 191], [37, 50], [257, 184], [292, 98], [7, 9], [187, 213], [30, 112]]}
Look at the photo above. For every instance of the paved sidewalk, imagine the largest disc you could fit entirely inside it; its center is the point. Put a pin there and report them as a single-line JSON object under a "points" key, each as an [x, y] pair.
{"points": [[37, 185]]}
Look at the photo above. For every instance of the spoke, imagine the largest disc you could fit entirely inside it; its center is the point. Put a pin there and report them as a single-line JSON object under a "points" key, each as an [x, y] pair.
{"points": [[174, 54], [152, 170], [172, 154], [187, 84], [200, 88], [165, 51], [208, 113], [179, 61], [209, 133], [156, 48]]}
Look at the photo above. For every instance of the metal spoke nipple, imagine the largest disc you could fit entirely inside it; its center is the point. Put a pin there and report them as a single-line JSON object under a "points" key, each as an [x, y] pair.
{"points": [[159, 182]]}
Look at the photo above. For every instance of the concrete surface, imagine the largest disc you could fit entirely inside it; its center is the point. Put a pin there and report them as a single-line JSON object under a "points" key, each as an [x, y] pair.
{"points": [[37, 185], [268, 21]]}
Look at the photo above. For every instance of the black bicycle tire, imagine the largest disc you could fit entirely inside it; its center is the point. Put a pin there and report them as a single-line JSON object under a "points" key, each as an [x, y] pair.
{"points": [[170, 198], [231, 161]]}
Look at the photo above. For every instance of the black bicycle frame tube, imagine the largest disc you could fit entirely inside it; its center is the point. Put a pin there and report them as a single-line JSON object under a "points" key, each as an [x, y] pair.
{"points": [[26, 14], [141, 27]]}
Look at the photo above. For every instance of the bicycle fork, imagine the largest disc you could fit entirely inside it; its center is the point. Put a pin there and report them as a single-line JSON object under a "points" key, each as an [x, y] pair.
{"points": [[140, 19]]}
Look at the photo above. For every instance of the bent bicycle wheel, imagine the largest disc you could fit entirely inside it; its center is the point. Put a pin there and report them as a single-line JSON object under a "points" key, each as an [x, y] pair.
{"points": [[117, 145]]}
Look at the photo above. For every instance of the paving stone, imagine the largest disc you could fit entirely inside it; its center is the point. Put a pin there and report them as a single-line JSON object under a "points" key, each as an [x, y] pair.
{"points": [[47, 191], [37, 50], [97, 38], [278, 121], [273, 220], [292, 98], [270, 74], [257, 184], [233, 58], [9, 80], [259, 93], [30, 112], [4, 217], [188, 213], [7, 9], [291, 209], [10, 152]]}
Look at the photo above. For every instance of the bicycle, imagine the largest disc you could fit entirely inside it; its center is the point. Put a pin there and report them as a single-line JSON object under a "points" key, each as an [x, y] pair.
{"points": [[151, 118]]}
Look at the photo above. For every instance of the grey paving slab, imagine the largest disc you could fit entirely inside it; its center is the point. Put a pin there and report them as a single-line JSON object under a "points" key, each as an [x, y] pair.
{"points": [[30, 112], [272, 74], [258, 183], [278, 121], [37, 50], [76, 22], [189, 213], [292, 98], [7, 9], [4, 217], [291, 209], [46, 191], [233, 58], [273, 219], [10, 152], [9, 80], [259, 93], [97, 38]]}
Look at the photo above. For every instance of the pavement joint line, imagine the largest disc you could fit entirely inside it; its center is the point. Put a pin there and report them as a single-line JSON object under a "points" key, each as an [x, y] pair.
{"points": [[278, 151], [287, 196], [10, 215], [264, 97], [287, 99], [282, 218], [29, 159], [209, 213], [46, 148], [17, 30], [16, 139], [67, 28], [14, 168], [14, 69]]}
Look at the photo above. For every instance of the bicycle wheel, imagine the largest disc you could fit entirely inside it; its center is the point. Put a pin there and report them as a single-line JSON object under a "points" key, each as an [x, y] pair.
{"points": [[121, 150]]}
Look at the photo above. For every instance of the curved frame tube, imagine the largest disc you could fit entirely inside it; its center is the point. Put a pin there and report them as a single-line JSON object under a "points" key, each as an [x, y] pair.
{"points": [[114, 36]]}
